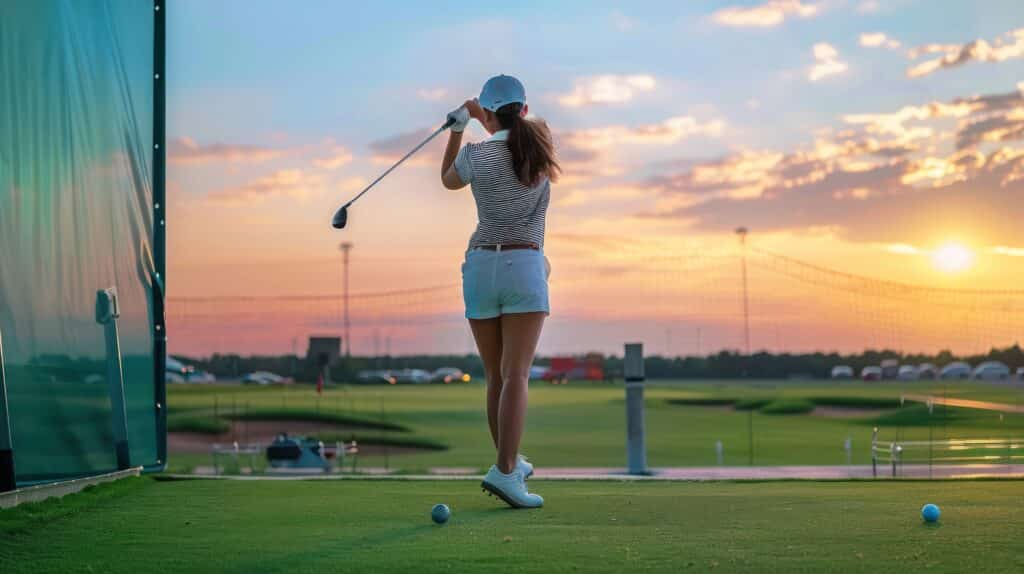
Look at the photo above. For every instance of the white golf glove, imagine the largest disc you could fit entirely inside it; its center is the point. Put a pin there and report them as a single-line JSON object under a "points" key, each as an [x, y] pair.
{"points": [[461, 118]]}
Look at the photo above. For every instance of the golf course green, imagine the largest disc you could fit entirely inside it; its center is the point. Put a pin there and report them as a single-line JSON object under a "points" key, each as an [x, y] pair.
{"points": [[583, 424]]}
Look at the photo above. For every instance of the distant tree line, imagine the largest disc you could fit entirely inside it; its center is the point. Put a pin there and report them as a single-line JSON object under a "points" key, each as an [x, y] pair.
{"points": [[763, 365], [722, 365]]}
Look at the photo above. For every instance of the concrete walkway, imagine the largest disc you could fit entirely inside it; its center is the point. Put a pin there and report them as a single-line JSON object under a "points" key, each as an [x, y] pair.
{"points": [[668, 474]]}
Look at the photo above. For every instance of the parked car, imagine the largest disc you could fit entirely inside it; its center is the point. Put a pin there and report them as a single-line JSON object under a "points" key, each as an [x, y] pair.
{"points": [[991, 371], [375, 377], [842, 372], [201, 377], [955, 370], [265, 378], [907, 373], [927, 371], [871, 373], [414, 376], [890, 368], [539, 373], [1020, 373], [449, 375], [177, 372]]}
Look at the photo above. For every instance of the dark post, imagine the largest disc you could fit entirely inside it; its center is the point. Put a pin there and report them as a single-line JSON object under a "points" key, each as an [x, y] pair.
{"points": [[636, 445], [107, 312], [7, 477], [750, 437], [159, 229]]}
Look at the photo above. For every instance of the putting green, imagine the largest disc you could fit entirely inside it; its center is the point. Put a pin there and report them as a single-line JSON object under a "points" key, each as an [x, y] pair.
{"points": [[143, 525]]}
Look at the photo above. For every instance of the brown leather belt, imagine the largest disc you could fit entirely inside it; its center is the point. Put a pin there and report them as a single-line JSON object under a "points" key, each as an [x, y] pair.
{"points": [[507, 246]]}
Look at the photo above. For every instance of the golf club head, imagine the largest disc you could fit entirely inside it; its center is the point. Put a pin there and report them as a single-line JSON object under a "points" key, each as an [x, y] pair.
{"points": [[340, 218]]}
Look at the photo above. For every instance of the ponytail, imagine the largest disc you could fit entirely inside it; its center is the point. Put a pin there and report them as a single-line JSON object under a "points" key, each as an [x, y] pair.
{"points": [[533, 151]]}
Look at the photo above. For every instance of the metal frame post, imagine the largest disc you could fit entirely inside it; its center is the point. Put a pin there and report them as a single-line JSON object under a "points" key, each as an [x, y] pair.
{"points": [[107, 312], [159, 231], [8, 479], [636, 444]]}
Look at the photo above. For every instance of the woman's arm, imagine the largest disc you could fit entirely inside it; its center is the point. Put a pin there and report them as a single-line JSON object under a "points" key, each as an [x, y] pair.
{"points": [[449, 177]]}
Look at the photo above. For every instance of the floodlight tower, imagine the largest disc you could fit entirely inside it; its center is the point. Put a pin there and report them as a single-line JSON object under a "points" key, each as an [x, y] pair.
{"points": [[741, 232], [346, 246]]}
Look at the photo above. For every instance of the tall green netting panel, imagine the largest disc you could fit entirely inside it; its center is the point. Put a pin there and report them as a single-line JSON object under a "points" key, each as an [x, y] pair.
{"points": [[81, 238]]}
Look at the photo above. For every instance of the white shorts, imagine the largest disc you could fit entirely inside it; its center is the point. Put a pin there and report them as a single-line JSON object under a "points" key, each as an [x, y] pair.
{"points": [[496, 283]]}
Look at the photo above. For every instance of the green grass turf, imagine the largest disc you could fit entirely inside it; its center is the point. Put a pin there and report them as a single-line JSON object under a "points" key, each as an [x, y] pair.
{"points": [[583, 424], [143, 525]]}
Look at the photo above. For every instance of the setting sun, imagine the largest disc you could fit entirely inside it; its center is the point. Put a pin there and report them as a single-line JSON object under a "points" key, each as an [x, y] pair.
{"points": [[952, 257]]}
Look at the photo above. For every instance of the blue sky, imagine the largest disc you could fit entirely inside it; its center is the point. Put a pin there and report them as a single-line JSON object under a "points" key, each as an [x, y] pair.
{"points": [[351, 69]]}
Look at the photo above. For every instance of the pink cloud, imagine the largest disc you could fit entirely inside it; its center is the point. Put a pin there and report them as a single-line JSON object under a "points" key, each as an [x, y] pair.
{"points": [[185, 150]]}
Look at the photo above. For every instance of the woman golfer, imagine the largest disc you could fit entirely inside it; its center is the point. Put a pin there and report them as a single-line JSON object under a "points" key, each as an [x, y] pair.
{"points": [[504, 276]]}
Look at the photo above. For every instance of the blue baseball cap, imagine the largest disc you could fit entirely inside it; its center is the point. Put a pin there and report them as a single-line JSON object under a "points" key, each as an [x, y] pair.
{"points": [[501, 90]]}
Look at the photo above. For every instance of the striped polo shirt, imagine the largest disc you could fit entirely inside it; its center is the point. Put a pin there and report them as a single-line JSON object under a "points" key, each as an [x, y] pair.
{"points": [[507, 211]]}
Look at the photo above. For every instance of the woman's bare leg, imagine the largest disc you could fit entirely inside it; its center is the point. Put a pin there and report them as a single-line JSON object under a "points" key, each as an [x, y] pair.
{"points": [[520, 333], [487, 333]]}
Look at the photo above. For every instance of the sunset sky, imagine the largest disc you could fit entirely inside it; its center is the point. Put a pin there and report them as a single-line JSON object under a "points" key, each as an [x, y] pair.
{"points": [[877, 138]]}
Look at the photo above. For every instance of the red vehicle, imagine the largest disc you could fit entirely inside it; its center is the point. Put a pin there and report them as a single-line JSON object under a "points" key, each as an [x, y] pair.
{"points": [[588, 368]]}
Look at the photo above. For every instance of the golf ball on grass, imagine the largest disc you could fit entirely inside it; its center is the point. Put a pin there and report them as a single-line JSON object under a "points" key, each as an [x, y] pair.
{"points": [[930, 513], [440, 513]]}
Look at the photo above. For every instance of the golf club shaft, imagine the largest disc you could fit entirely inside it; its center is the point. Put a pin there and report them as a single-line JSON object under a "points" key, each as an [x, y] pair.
{"points": [[399, 162]]}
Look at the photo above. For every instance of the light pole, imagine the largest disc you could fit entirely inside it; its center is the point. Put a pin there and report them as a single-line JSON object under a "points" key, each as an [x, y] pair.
{"points": [[742, 233], [346, 246]]}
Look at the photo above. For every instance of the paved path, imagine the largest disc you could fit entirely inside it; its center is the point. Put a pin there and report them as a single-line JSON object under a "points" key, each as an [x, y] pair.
{"points": [[673, 474], [966, 403]]}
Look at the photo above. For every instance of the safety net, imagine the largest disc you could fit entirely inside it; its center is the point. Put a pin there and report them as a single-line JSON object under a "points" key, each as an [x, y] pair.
{"points": [[80, 243]]}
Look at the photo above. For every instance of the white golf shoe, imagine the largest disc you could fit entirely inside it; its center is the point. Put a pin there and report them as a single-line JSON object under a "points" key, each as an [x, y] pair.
{"points": [[511, 488], [524, 467]]}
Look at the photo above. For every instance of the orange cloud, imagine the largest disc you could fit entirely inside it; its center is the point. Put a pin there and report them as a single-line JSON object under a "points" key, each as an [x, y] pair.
{"points": [[1008, 251], [289, 183], [337, 157]]}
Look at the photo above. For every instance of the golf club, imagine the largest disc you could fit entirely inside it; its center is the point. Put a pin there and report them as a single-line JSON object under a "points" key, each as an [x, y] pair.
{"points": [[341, 216]]}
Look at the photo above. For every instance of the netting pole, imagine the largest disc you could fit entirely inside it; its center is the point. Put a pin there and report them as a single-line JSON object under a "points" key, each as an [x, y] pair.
{"points": [[159, 230], [107, 312], [7, 478], [742, 233]]}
